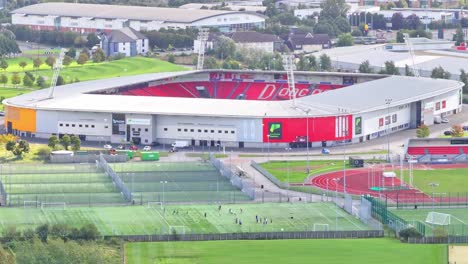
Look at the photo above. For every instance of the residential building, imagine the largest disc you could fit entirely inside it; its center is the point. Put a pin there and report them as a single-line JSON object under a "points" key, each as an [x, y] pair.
{"points": [[126, 41]]}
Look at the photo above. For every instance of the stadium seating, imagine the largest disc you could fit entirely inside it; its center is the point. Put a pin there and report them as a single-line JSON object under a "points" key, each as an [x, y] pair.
{"points": [[435, 150], [416, 151]]}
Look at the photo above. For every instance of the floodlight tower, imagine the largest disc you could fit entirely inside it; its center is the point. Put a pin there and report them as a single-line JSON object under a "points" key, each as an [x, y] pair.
{"points": [[409, 44], [288, 64], [57, 68], [202, 39]]}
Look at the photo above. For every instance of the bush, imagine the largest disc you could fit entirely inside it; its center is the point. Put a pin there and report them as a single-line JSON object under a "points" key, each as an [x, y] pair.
{"points": [[118, 56], [44, 153], [440, 232], [409, 232]]}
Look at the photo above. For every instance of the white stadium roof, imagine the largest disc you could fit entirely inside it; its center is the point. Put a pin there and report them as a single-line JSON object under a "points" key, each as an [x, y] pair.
{"points": [[362, 97], [122, 12]]}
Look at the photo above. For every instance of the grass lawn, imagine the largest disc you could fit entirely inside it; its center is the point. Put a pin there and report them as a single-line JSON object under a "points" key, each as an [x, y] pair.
{"points": [[297, 169], [150, 220], [339, 251], [377, 152], [205, 155], [449, 180]]}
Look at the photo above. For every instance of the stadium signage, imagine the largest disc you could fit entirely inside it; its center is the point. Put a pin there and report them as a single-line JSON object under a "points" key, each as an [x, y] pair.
{"points": [[358, 125], [275, 130], [138, 121]]}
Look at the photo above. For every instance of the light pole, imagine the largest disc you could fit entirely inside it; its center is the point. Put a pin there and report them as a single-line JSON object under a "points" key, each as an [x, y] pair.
{"points": [[344, 131], [163, 199], [268, 136], [388, 101], [336, 203], [327, 190], [307, 138]]}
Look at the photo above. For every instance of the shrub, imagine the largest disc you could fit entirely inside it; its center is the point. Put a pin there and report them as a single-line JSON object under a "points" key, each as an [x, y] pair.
{"points": [[409, 232], [44, 153]]}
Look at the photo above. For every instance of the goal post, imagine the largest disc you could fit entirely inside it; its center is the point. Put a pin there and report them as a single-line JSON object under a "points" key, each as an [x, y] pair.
{"points": [[30, 204], [435, 218], [321, 227], [54, 206], [155, 205]]}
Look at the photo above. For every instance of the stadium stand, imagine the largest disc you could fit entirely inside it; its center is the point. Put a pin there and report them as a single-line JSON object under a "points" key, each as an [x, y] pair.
{"points": [[438, 149]]}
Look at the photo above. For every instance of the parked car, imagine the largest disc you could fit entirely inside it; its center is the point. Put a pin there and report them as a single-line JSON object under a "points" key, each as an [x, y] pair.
{"points": [[2, 113], [444, 120], [133, 147], [465, 128], [448, 133], [107, 146], [120, 147], [147, 148]]}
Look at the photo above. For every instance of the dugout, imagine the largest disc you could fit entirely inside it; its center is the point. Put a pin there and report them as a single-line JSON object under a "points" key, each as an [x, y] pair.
{"points": [[356, 162]]}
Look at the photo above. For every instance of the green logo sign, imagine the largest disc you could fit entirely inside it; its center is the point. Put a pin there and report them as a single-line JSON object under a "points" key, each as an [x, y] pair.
{"points": [[275, 130], [358, 125]]}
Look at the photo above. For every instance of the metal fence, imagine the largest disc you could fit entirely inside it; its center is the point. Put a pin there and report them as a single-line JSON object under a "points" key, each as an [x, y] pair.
{"points": [[255, 236], [235, 179], [88, 158], [434, 200], [269, 176], [115, 178], [3, 193], [439, 240]]}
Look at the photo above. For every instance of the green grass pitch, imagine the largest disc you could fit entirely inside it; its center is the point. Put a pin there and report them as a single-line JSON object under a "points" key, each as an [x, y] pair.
{"points": [[353, 251], [150, 220], [449, 180]]}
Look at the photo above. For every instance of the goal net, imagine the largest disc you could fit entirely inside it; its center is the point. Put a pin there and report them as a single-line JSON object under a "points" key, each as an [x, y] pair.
{"points": [[30, 204], [321, 227], [155, 205], [177, 230], [436, 218], [54, 206]]}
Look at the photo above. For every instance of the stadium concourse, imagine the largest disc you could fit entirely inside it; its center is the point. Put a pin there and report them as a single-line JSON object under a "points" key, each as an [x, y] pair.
{"points": [[372, 181]]}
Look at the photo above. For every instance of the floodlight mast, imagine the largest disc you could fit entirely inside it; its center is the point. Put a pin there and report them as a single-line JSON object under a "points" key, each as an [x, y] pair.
{"points": [[57, 68], [288, 64], [409, 44], [203, 35]]}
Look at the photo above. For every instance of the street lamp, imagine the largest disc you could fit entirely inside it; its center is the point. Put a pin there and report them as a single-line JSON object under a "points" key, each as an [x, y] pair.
{"points": [[388, 101]]}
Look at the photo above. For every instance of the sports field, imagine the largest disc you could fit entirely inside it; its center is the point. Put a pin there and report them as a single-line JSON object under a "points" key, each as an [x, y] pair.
{"points": [[177, 182], [153, 219], [449, 180], [458, 219], [353, 251]]}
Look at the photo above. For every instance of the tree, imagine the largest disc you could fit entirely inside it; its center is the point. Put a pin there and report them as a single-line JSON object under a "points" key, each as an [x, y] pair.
{"points": [[210, 63], [397, 21], [83, 58], [67, 60], [457, 131], [15, 79], [342, 25], [65, 141], [323, 27], [171, 58], [60, 81], [53, 142], [225, 48], [400, 38], [356, 33], [23, 64], [325, 63], [408, 71], [390, 69], [89, 232], [345, 40], [50, 61], [333, 9], [37, 62], [61, 231], [41, 82], [17, 148], [27, 81], [75, 142], [3, 64], [412, 22], [464, 79], [402, 4], [365, 67], [92, 40], [71, 53], [440, 73], [99, 56], [459, 36], [3, 79], [422, 131]]}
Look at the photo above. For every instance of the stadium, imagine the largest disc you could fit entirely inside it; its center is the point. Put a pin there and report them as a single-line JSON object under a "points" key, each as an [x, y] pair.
{"points": [[234, 108]]}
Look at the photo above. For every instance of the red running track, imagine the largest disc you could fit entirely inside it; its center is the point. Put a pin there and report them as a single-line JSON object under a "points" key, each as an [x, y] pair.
{"points": [[359, 181]]}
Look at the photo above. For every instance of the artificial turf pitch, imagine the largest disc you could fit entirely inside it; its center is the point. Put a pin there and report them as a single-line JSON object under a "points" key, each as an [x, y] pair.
{"points": [[338, 251], [144, 220]]}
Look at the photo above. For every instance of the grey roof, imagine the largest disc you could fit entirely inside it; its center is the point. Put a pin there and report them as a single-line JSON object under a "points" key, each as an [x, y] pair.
{"points": [[121, 12], [355, 99], [309, 39], [251, 37], [126, 34]]}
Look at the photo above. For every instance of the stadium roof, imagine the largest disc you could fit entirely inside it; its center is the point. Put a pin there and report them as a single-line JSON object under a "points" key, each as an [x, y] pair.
{"points": [[121, 12], [77, 97]]}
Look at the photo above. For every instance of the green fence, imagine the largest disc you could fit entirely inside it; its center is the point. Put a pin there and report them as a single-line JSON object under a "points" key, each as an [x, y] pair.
{"points": [[379, 211]]}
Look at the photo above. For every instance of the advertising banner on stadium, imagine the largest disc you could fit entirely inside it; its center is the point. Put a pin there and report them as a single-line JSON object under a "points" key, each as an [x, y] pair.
{"points": [[275, 130], [138, 121], [358, 125]]}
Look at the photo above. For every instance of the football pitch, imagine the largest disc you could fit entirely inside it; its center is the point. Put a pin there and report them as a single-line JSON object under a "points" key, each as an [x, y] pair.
{"points": [[448, 180], [152, 219], [339, 251]]}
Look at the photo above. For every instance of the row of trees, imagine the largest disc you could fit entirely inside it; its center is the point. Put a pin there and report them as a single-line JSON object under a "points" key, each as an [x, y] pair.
{"points": [[55, 38], [66, 141], [456, 131]]}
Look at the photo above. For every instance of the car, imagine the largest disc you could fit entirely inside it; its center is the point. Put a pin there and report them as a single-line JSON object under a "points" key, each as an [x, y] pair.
{"points": [[133, 147], [325, 151], [447, 133], [147, 148], [2, 113], [120, 147], [389, 31], [174, 149], [444, 120], [107, 146], [465, 128]]}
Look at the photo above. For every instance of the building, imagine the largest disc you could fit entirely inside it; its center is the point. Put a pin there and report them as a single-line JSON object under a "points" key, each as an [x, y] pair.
{"points": [[234, 108], [257, 41], [228, 5], [309, 12], [300, 42], [422, 44], [126, 41], [91, 17]]}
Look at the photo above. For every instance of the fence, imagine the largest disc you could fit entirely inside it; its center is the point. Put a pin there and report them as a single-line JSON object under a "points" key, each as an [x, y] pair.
{"points": [[235, 180], [255, 236], [272, 178], [439, 200], [115, 178], [439, 240], [3, 193], [379, 211], [89, 158]]}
